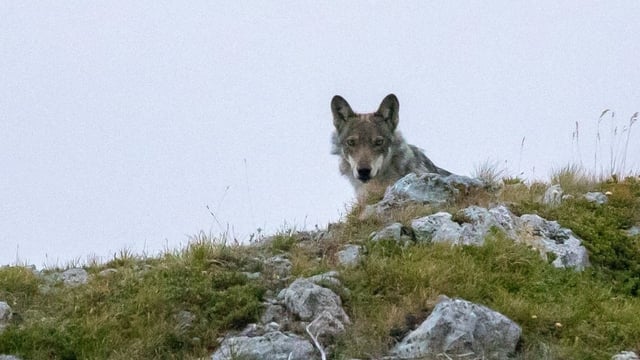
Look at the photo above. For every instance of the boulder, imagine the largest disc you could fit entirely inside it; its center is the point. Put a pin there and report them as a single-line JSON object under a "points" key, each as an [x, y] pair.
{"points": [[274, 345], [307, 300], [553, 195], [349, 255], [459, 327], [548, 236], [75, 277], [395, 231], [596, 197]]}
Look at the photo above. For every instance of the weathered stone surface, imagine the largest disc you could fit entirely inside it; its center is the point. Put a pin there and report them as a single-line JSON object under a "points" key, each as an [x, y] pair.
{"points": [[75, 277], [553, 195], [278, 266], [9, 357], [633, 231], [625, 355], [307, 300], [326, 326], [349, 255], [546, 236], [6, 313], [596, 197], [459, 327], [426, 188], [390, 232], [437, 228], [549, 236], [273, 345]]}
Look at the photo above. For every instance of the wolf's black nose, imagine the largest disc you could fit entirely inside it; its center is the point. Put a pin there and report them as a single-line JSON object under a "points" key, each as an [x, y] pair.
{"points": [[364, 174]]}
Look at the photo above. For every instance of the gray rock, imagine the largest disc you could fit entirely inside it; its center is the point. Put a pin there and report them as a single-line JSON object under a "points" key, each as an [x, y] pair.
{"points": [[279, 266], [325, 327], [459, 327], [596, 197], [75, 277], [437, 228], [549, 236], [107, 272], [308, 300], [633, 231], [9, 357], [274, 312], [273, 345], [5, 315], [553, 195], [391, 232], [546, 236], [625, 355], [426, 188], [349, 255]]}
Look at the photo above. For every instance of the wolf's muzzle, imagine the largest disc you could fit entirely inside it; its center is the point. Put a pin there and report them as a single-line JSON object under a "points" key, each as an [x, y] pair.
{"points": [[364, 174]]}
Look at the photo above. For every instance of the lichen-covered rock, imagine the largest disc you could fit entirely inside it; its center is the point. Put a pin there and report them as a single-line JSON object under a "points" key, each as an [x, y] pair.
{"points": [[9, 357], [437, 228], [396, 232], [273, 345], [5, 315], [307, 300], [549, 236], [458, 327], [553, 195], [349, 255], [596, 197], [278, 266], [75, 277]]}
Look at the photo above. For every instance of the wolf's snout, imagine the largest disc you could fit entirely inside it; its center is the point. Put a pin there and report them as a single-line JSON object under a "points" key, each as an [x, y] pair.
{"points": [[364, 174]]}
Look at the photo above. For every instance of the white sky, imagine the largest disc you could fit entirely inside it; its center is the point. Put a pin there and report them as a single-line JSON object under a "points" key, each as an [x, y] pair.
{"points": [[121, 121]]}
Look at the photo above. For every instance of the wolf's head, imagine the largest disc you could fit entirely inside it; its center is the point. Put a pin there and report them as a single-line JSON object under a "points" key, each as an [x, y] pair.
{"points": [[364, 140]]}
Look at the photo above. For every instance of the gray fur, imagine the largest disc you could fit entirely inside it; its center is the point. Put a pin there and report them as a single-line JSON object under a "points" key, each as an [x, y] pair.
{"points": [[373, 154]]}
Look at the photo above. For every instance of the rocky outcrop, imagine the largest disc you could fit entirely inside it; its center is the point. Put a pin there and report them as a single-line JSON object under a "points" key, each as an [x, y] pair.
{"points": [[426, 188], [475, 222], [457, 327], [309, 310]]}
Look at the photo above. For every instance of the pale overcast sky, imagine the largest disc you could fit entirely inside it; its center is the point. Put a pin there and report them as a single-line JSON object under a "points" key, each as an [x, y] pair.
{"points": [[124, 123]]}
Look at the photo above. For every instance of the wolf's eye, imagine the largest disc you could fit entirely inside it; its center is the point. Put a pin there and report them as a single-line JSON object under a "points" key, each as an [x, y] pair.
{"points": [[378, 142], [351, 142]]}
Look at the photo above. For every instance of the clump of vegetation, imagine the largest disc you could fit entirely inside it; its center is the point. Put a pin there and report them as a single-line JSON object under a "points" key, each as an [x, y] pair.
{"points": [[133, 313]]}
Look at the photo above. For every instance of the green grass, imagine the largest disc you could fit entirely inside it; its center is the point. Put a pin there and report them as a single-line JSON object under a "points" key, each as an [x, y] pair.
{"points": [[131, 313]]}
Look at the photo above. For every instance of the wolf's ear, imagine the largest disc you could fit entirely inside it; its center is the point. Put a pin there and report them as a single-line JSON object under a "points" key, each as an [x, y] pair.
{"points": [[389, 110], [341, 111]]}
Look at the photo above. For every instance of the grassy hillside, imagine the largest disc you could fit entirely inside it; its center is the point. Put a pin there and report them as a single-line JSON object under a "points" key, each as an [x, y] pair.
{"points": [[134, 310]]}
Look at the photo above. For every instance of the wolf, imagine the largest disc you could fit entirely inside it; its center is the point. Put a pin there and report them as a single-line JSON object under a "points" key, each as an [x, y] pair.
{"points": [[373, 154]]}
